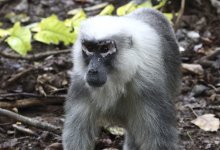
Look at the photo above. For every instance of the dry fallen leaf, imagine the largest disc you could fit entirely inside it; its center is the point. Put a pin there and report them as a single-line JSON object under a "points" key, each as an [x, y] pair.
{"points": [[116, 130], [192, 68], [207, 122]]}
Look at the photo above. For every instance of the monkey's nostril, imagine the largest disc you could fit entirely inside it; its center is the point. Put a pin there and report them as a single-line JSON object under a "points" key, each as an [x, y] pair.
{"points": [[93, 71]]}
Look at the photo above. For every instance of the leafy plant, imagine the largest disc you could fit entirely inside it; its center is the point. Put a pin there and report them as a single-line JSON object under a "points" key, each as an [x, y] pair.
{"points": [[51, 30], [19, 39], [3, 33], [108, 10], [123, 10], [75, 21]]}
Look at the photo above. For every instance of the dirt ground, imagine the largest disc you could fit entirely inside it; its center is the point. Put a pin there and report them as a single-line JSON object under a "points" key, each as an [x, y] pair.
{"points": [[37, 88]]}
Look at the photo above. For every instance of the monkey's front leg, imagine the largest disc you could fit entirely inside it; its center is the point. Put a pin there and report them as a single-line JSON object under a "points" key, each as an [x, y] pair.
{"points": [[153, 139], [152, 129], [80, 128]]}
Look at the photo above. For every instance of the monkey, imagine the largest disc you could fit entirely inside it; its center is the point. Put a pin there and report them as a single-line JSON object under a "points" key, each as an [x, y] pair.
{"points": [[126, 73]]}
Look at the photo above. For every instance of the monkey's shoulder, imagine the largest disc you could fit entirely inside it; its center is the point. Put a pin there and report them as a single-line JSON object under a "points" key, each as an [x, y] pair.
{"points": [[149, 16], [155, 19]]}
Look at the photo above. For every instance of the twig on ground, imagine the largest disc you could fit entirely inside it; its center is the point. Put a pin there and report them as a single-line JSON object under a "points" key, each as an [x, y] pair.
{"points": [[24, 94], [192, 110], [30, 102], [181, 11], [214, 54], [190, 137], [96, 7], [34, 56], [17, 76], [207, 61], [23, 129], [29, 121]]}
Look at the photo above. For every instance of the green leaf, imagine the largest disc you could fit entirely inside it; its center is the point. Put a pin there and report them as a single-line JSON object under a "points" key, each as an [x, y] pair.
{"points": [[161, 4], [19, 39], [4, 32], [52, 30], [125, 9], [108, 10], [169, 16], [76, 19]]}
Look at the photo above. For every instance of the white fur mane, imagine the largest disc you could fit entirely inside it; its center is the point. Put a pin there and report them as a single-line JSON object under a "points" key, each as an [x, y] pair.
{"points": [[145, 55]]}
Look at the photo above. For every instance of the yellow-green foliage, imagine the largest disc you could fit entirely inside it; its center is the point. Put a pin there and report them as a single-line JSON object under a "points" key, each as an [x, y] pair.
{"points": [[53, 31], [19, 39], [108, 10]]}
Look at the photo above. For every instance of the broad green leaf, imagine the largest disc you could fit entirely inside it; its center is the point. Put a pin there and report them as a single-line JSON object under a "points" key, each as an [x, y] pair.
{"points": [[76, 19], [52, 30], [20, 39], [108, 10], [35, 28], [1, 24], [161, 4], [125, 9], [169, 16], [4, 32]]}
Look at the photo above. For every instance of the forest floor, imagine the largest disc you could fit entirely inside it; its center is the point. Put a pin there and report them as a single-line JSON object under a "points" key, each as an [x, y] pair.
{"points": [[36, 88]]}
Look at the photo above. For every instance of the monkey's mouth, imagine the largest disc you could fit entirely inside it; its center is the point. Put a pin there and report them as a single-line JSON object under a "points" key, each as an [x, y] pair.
{"points": [[95, 80]]}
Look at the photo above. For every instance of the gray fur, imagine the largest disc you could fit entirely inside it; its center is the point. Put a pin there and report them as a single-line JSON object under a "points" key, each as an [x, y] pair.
{"points": [[138, 97]]}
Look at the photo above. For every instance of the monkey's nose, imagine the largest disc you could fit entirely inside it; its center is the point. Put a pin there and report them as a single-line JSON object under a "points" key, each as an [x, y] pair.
{"points": [[93, 71]]}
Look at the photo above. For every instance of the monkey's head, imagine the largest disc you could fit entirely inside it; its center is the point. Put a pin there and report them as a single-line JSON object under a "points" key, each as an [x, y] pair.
{"points": [[106, 50], [97, 56]]}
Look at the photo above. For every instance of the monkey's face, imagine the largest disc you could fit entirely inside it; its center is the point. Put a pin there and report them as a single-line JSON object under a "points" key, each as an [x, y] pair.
{"points": [[98, 57]]}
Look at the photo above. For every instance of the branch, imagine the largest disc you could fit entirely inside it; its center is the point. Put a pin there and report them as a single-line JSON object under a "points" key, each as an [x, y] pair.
{"points": [[17, 76], [34, 56], [207, 61], [24, 94], [29, 121], [23, 129], [214, 54], [29, 102], [181, 11]]}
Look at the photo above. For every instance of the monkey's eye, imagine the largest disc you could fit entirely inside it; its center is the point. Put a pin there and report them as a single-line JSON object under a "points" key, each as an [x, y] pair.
{"points": [[107, 48], [88, 47], [85, 50], [104, 49]]}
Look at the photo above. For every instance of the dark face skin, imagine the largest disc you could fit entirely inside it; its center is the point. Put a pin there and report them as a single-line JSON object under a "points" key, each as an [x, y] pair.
{"points": [[98, 56]]}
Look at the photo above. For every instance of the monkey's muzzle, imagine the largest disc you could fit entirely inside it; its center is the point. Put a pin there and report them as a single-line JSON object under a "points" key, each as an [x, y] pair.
{"points": [[97, 74]]}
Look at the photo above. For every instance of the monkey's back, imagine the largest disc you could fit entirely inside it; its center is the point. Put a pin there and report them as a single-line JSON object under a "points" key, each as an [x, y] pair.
{"points": [[168, 44]]}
